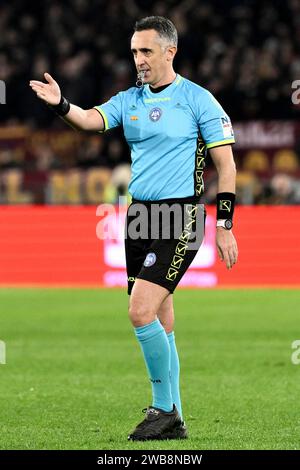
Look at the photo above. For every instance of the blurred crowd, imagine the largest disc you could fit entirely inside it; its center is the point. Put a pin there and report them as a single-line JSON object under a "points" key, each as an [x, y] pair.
{"points": [[246, 52], [63, 166]]}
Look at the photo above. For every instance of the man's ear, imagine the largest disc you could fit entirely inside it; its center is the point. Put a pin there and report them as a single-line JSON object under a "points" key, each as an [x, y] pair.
{"points": [[171, 51]]}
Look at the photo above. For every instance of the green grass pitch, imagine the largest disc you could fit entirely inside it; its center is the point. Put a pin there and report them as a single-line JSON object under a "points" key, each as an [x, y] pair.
{"points": [[75, 378]]}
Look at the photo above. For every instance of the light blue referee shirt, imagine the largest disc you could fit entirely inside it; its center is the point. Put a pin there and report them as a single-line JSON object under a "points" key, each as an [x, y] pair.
{"points": [[168, 134]]}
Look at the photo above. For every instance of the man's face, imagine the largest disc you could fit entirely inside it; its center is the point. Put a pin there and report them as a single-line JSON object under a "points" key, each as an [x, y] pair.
{"points": [[151, 55]]}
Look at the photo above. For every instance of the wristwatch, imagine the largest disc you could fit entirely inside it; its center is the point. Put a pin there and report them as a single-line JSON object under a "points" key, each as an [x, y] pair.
{"points": [[225, 223]]}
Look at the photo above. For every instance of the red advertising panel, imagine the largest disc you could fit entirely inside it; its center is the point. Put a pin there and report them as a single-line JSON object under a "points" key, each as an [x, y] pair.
{"points": [[60, 246]]}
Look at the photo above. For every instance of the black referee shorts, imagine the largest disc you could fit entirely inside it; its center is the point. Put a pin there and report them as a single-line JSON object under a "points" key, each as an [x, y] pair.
{"points": [[162, 239]]}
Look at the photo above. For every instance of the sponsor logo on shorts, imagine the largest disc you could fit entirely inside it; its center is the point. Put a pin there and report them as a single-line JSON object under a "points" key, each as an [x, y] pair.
{"points": [[182, 245], [176, 262], [150, 260], [172, 274]]}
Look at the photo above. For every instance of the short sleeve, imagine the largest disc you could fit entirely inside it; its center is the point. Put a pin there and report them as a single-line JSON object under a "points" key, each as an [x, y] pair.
{"points": [[215, 125], [111, 111]]}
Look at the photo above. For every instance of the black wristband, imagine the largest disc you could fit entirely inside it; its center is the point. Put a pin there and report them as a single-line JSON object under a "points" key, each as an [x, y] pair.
{"points": [[225, 205], [62, 108]]}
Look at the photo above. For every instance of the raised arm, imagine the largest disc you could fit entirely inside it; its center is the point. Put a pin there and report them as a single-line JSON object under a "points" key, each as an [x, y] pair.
{"points": [[78, 118], [224, 163]]}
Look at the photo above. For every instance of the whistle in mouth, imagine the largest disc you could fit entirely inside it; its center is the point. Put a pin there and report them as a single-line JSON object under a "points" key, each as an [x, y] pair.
{"points": [[140, 79]]}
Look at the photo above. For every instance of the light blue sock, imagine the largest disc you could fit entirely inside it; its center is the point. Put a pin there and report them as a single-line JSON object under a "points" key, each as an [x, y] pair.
{"points": [[155, 346], [175, 370]]}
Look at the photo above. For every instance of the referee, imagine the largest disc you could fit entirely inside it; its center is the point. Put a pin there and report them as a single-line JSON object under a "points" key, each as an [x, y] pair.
{"points": [[169, 123]]}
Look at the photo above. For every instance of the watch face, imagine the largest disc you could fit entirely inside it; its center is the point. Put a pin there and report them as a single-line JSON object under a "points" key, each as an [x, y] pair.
{"points": [[228, 224]]}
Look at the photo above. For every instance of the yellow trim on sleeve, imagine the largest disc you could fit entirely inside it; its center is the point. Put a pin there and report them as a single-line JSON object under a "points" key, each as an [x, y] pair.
{"points": [[100, 111], [220, 142]]}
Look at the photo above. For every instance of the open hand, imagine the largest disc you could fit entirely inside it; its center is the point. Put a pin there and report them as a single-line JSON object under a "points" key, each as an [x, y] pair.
{"points": [[227, 247], [49, 92]]}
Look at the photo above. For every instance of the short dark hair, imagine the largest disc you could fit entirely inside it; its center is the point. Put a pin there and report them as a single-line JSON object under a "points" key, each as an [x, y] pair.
{"points": [[164, 27]]}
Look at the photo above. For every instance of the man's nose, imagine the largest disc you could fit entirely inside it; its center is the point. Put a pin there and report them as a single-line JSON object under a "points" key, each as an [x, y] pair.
{"points": [[140, 59]]}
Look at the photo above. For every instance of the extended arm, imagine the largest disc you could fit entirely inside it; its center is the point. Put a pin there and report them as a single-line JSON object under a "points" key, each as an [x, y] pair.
{"points": [[78, 118], [224, 162]]}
